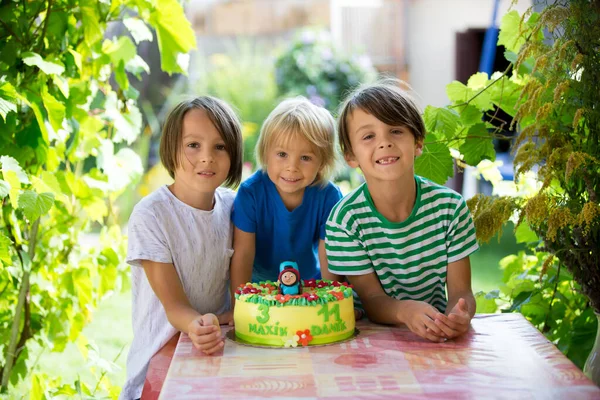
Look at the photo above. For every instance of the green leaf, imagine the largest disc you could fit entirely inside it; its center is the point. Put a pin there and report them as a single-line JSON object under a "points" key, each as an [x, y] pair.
{"points": [[174, 32], [137, 65], [524, 234], [457, 92], [441, 120], [478, 81], [121, 51], [76, 59], [4, 189], [37, 388], [470, 115], [54, 108], [510, 32], [10, 164], [8, 95], [90, 18], [478, 145], [5, 244], [50, 68], [83, 286], [435, 163], [121, 76], [138, 29], [15, 186], [127, 124], [35, 205]]}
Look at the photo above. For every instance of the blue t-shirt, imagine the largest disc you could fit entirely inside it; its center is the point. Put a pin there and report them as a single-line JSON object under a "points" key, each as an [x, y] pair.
{"points": [[283, 235]]}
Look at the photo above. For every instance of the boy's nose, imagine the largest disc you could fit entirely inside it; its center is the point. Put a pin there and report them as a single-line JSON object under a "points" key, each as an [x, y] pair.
{"points": [[384, 145]]}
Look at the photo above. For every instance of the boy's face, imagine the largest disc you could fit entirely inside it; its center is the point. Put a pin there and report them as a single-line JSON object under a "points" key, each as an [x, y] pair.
{"points": [[292, 166], [381, 151], [204, 160]]}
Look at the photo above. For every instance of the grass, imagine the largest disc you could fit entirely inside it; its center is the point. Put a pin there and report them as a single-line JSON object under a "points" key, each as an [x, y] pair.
{"points": [[110, 330]]}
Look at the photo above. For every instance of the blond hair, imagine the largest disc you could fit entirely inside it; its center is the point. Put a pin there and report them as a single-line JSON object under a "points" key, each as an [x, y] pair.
{"points": [[299, 117]]}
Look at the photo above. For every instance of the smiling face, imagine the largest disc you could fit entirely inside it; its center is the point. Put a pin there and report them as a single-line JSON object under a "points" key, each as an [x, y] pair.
{"points": [[288, 278], [383, 152], [292, 165], [203, 159]]}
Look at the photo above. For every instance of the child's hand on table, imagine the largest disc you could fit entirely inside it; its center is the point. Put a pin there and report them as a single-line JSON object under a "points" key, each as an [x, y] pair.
{"points": [[420, 319], [205, 333], [457, 321]]}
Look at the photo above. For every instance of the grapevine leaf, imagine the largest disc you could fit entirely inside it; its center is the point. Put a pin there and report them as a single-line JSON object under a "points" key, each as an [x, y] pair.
{"points": [[435, 163], [35, 205]]}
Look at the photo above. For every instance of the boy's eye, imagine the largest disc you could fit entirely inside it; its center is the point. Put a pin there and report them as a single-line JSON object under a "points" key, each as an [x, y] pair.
{"points": [[368, 136], [306, 158], [193, 145], [281, 154], [397, 131], [220, 147]]}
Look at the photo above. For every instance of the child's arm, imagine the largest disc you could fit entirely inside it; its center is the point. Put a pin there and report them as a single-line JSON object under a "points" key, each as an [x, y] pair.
{"points": [[242, 260], [417, 315], [325, 273], [461, 302], [203, 330]]}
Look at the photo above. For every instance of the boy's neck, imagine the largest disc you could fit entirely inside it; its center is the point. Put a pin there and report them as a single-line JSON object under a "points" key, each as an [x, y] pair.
{"points": [[395, 201], [291, 201], [200, 200]]}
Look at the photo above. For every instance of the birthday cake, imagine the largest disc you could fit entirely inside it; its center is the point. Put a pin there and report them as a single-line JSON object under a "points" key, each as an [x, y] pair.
{"points": [[316, 312]]}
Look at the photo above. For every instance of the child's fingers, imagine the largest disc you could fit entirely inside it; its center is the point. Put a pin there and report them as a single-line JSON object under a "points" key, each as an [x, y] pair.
{"points": [[210, 350], [448, 331], [200, 330], [430, 326]]}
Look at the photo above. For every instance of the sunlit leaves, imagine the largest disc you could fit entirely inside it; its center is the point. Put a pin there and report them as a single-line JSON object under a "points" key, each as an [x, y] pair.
{"points": [[174, 33], [54, 108], [435, 163], [35, 205], [138, 29], [478, 145], [7, 99], [5, 243], [48, 67], [441, 120], [514, 32], [90, 20], [469, 115]]}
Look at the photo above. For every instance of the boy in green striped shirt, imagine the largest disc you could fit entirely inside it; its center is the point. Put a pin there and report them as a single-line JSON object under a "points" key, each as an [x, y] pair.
{"points": [[400, 239]]}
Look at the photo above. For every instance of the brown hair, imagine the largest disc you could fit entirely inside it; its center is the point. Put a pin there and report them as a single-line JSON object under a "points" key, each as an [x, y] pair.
{"points": [[298, 116], [387, 102], [223, 118]]}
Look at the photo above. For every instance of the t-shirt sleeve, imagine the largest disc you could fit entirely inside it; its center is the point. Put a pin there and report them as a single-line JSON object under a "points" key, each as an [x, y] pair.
{"points": [[461, 241], [244, 210], [146, 240], [345, 254], [333, 195]]}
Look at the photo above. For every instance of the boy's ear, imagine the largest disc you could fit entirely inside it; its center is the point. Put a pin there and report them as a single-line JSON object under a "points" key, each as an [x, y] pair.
{"points": [[418, 147], [351, 160]]}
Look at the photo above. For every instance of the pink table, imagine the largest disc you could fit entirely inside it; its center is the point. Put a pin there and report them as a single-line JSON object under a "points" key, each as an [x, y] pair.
{"points": [[502, 357]]}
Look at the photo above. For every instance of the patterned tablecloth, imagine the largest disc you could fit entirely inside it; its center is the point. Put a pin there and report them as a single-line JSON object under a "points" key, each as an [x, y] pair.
{"points": [[502, 357]]}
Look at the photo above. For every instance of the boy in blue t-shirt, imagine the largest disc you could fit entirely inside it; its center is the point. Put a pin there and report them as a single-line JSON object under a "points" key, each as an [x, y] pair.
{"points": [[280, 211]]}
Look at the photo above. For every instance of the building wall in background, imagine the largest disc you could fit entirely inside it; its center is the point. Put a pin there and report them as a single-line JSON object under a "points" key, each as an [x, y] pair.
{"points": [[431, 33]]}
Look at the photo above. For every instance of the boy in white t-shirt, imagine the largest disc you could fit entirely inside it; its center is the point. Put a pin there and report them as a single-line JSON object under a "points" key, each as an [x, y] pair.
{"points": [[180, 237]]}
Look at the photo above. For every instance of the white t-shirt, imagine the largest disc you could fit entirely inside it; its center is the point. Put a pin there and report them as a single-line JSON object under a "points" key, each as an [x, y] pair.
{"points": [[199, 244]]}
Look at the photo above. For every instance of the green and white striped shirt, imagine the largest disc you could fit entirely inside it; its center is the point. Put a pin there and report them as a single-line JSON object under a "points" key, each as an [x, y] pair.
{"points": [[411, 257]]}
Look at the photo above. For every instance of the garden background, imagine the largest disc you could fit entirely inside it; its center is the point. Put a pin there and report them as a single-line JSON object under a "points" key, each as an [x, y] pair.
{"points": [[85, 87]]}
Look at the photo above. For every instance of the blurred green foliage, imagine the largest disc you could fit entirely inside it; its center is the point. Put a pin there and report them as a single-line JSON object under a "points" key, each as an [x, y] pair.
{"points": [[313, 67]]}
